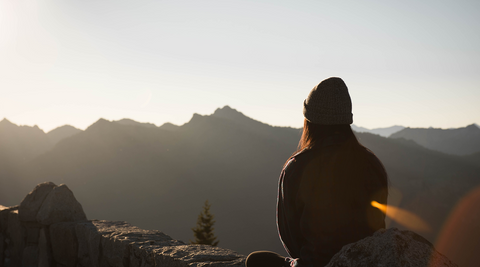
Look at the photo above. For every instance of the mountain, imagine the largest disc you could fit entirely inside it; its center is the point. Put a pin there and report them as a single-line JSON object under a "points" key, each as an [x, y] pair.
{"points": [[473, 158], [461, 141], [385, 132], [21, 143], [60, 133], [135, 123], [18, 146], [169, 126], [159, 179]]}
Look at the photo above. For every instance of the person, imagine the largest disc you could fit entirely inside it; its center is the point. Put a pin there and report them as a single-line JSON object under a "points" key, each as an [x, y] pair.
{"points": [[327, 186]]}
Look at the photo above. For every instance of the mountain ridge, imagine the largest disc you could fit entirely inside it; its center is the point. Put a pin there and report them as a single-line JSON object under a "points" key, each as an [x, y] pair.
{"points": [[158, 179], [459, 141]]}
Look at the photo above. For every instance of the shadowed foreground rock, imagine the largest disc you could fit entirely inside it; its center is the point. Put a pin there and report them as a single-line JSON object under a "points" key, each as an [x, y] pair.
{"points": [[50, 229], [390, 248]]}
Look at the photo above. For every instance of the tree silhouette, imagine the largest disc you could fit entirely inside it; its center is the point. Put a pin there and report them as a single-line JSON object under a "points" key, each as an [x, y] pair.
{"points": [[203, 231]]}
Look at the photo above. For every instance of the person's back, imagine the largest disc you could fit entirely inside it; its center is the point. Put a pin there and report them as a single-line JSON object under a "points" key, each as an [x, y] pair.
{"points": [[324, 198], [326, 188]]}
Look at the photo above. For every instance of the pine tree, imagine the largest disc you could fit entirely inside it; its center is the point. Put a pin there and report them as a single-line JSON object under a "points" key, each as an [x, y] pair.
{"points": [[203, 231]]}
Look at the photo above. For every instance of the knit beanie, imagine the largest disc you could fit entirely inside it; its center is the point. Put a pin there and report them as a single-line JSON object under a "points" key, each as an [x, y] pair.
{"points": [[329, 103]]}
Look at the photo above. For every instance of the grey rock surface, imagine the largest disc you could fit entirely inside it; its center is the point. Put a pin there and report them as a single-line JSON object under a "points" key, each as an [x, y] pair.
{"points": [[32, 230], [390, 248], [2, 249], [32, 202], [122, 243], [60, 205], [16, 234], [30, 256], [64, 243], [88, 244], [45, 257], [4, 213], [203, 255]]}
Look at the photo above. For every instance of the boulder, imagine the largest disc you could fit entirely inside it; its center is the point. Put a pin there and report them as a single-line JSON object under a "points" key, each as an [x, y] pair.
{"points": [[60, 205], [4, 213], [391, 248], [88, 240], [2, 248], [202, 255], [30, 256], [33, 201], [16, 234], [44, 249], [64, 243]]}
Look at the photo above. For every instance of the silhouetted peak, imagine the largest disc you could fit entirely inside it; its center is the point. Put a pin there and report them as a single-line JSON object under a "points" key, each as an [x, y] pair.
{"points": [[196, 117], [473, 127], [6, 122], [169, 126], [102, 120], [228, 113], [99, 124], [65, 127], [135, 123], [62, 132]]}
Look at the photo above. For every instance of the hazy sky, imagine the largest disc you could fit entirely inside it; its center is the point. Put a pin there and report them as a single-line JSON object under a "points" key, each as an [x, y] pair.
{"points": [[411, 63]]}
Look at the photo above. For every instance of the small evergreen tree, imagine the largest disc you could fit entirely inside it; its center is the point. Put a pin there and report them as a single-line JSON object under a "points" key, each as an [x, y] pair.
{"points": [[203, 232]]}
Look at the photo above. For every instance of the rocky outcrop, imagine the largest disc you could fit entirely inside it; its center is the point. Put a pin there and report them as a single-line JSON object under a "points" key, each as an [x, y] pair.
{"points": [[392, 248], [25, 230], [57, 239], [33, 201], [60, 206], [49, 228]]}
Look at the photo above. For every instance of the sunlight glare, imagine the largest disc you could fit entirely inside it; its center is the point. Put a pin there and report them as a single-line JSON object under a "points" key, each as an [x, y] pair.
{"points": [[403, 217]]}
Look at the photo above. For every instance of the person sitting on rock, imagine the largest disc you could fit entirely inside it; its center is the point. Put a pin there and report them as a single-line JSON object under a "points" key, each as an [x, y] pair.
{"points": [[327, 186]]}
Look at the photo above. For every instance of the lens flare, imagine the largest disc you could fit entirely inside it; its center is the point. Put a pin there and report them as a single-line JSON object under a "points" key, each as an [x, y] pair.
{"points": [[403, 217], [460, 237]]}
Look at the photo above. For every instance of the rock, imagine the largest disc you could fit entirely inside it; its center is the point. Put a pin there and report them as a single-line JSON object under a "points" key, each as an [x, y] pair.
{"points": [[115, 251], [33, 201], [16, 234], [203, 255], [120, 243], [60, 205], [30, 256], [44, 249], [32, 231], [88, 244], [4, 213], [2, 248], [64, 243], [391, 248]]}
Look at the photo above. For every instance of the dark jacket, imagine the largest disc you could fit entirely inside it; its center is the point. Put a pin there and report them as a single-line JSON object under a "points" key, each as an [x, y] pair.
{"points": [[324, 199]]}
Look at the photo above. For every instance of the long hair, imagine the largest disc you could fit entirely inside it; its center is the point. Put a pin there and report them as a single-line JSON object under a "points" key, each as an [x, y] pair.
{"points": [[313, 135]]}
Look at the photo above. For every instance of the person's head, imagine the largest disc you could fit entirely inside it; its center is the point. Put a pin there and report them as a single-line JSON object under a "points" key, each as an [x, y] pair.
{"points": [[327, 110]]}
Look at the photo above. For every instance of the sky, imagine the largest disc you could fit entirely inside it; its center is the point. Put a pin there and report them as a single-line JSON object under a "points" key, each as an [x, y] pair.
{"points": [[410, 63]]}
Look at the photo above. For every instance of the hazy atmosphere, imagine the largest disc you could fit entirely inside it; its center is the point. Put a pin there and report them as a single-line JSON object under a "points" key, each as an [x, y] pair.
{"points": [[146, 109], [407, 63]]}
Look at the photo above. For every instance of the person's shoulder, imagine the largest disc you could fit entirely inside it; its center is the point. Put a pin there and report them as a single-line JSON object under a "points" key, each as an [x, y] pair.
{"points": [[298, 158], [373, 159], [368, 153]]}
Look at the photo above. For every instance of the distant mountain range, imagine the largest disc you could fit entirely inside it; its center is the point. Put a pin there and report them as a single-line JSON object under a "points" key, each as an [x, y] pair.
{"points": [[461, 141], [159, 177], [385, 132]]}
